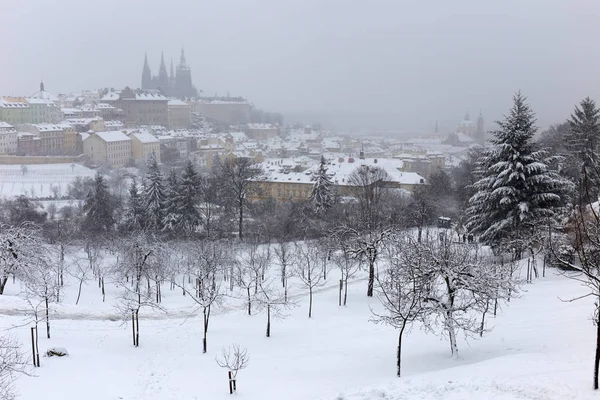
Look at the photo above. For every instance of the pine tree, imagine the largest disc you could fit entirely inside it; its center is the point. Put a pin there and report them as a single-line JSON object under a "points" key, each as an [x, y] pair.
{"points": [[188, 199], [516, 189], [322, 195], [583, 141], [98, 208], [154, 195], [135, 213], [171, 204]]}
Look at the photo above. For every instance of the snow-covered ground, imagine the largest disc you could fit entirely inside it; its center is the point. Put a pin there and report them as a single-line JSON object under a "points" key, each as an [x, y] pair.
{"points": [[38, 180], [540, 348]]}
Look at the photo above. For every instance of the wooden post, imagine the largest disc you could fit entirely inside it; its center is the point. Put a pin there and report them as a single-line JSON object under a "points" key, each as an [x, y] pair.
{"points": [[340, 296], [33, 345], [230, 384]]}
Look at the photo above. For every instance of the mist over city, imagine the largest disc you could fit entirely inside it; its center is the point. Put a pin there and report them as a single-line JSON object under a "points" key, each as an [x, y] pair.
{"points": [[329, 200]]}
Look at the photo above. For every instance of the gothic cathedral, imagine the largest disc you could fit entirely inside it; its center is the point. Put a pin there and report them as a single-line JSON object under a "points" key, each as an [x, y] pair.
{"points": [[178, 84]]}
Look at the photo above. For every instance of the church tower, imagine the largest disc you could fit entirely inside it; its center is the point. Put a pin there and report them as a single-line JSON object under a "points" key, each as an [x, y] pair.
{"points": [[480, 130], [163, 78], [183, 79], [146, 74]]}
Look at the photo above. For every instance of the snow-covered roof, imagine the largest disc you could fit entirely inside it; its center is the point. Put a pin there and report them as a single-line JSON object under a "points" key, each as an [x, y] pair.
{"points": [[33, 100], [149, 97], [5, 125], [47, 127], [176, 102], [13, 104], [145, 137], [112, 136], [260, 126], [43, 95], [111, 96], [113, 124]]}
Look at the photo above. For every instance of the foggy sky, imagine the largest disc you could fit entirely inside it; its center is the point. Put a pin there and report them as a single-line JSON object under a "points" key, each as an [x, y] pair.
{"points": [[380, 64]]}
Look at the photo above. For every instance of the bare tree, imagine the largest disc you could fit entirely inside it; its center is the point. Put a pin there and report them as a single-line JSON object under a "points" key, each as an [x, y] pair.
{"points": [[17, 244], [82, 272], [205, 262], [308, 269], [348, 264], [286, 258], [133, 273], [402, 289], [41, 283], [584, 236], [238, 179], [274, 299], [460, 286], [234, 359], [251, 268], [12, 364]]}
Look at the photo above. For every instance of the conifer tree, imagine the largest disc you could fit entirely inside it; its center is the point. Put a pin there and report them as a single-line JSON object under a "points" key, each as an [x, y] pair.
{"points": [[98, 208], [517, 191], [135, 214], [583, 141], [171, 203], [188, 197], [154, 195], [322, 196]]}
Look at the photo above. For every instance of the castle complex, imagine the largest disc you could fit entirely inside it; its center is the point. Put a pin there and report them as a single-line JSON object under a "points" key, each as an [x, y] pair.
{"points": [[175, 84]]}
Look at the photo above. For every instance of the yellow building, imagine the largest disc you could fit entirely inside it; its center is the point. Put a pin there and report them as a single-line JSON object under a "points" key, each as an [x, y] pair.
{"points": [[143, 144], [112, 148]]}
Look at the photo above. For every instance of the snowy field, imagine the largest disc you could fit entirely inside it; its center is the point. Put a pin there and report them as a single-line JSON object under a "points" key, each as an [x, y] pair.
{"points": [[39, 180], [540, 348]]}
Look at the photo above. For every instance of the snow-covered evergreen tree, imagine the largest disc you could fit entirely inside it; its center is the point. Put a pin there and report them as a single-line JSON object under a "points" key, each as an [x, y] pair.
{"points": [[188, 198], [154, 195], [322, 196], [135, 213], [516, 189], [98, 207], [583, 141], [171, 203]]}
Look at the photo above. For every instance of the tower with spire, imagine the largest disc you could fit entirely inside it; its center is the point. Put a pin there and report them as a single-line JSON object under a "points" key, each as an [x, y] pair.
{"points": [[178, 83], [480, 130]]}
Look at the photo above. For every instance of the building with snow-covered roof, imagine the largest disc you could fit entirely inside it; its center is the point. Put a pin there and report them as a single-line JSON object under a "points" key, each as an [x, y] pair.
{"points": [[143, 144], [262, 131], [180, 114], [8, 138], [112, 148], [140, 107], [226, 110], [15, 112], [52, 139], [283, 184]]}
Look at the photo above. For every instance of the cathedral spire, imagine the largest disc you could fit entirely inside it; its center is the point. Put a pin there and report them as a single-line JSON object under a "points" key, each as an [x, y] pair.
{"points": [[172, 74], [182, 61], [146, 74], [162, 61]]}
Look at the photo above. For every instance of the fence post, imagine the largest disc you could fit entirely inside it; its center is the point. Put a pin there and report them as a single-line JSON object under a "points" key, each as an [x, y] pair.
{"points": [[230, 383]]}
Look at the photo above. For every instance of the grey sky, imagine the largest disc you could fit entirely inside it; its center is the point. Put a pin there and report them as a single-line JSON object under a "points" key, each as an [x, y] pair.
{"points": [[383, 64]]}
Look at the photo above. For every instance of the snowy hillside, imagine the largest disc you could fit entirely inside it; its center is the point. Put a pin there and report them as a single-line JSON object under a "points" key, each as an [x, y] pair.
{"points": [[540, 348], [39, 180]]}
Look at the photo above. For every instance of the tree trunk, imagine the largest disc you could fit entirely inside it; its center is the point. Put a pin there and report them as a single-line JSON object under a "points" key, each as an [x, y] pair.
{"points": [[79, 291], [103, 291], [47, 318], [249, 301], [3, 283], [345, 290], [487, 307], [452, 335], [371, 279], [399, 355], [597, 358], [137, 328], [205, 330], [241, 221], [310, 295], [268, 320]]}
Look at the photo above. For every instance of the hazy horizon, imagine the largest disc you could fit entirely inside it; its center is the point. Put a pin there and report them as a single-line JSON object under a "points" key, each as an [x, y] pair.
{"points": [[380, 65]]}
